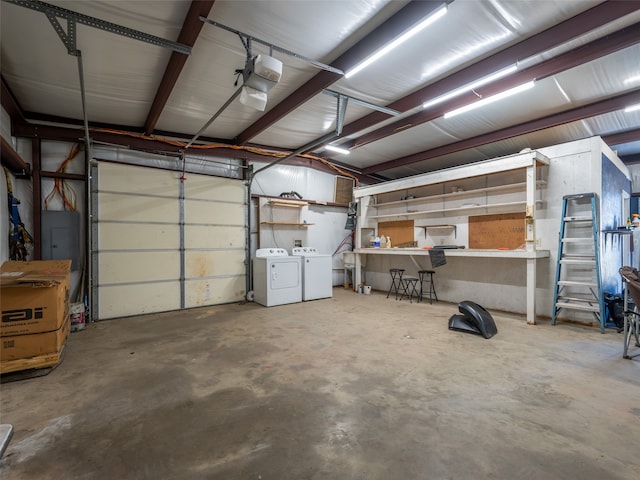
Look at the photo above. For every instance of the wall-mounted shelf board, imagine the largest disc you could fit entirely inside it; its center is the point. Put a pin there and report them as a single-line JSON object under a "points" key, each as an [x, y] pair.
{"points": [[497, 188], [468, 208], [294, 224], [288, 203]]}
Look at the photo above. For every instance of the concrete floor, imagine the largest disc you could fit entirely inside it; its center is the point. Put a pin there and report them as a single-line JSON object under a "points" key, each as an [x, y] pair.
{"points": [[354, 387]]}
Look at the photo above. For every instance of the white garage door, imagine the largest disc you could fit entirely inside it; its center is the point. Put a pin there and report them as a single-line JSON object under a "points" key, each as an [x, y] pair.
{"points": [[160, 244]]}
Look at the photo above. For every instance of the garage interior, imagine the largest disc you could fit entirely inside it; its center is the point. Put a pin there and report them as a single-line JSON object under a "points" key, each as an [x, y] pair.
{"points": [[162, 161]]}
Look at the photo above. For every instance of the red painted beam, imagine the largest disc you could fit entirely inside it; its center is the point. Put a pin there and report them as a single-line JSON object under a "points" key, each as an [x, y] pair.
{"points": [[12, 160], [10, 104], [622, 137], [188, 35], [386, 32], [586, 111]]}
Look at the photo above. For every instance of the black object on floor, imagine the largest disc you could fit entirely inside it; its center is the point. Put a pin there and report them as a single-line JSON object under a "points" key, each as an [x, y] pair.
{"points": [[474, 319]]}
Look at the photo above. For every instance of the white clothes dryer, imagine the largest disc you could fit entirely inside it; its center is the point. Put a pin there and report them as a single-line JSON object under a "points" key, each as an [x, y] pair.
{"points": [[277, 277], [317, 277]]}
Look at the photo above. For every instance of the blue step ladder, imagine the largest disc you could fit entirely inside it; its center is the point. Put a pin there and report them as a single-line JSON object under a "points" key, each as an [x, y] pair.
{"points": [[578, 285]]}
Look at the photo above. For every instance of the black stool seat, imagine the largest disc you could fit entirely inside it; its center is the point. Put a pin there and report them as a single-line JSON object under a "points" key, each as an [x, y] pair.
{"points": [[432, 287], [410, 288], [396, 281]]}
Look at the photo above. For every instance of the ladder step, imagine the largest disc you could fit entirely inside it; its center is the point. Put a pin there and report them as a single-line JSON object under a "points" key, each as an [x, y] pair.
{"points": [[576, 283], [578, 219], [577, 261], [578, 306], [589, 300], [579, 255], [578, 240]]}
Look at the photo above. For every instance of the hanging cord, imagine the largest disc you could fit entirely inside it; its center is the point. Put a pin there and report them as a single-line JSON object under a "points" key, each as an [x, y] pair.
{"points": [[346, 241], [61, 186], [19, 237]]}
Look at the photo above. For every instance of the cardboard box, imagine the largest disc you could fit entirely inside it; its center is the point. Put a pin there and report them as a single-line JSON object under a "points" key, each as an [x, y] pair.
{"points": [[34, 296], [33, 345]]}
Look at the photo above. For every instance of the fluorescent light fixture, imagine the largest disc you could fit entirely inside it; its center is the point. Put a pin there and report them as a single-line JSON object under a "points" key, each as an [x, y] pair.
{"points": [[333, 148], [399, 40], [491, 99], [471, 86], [632, 108], [632, 79]]}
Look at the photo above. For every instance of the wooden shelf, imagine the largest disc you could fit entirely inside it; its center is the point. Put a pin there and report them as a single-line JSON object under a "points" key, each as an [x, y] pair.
{"points": [[289, 203], [291, 224], [497, 188], [468, 208]]}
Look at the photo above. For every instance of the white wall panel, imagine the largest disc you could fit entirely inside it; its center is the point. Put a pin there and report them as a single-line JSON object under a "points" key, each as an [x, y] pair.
{"points": [[120, 207], [213, 291], [212, 188], [204, 236], [214, 263], [126, 300], [127, 267], [197, 211], [124, 236], [138, 180]]}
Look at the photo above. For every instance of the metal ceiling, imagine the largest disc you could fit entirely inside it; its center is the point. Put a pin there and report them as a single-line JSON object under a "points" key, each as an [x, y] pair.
{"points": [[583, 54]]}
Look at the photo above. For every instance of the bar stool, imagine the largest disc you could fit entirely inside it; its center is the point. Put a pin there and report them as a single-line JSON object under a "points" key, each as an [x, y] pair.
{"points": [[396, 281], [410, 288], [432, 288]]}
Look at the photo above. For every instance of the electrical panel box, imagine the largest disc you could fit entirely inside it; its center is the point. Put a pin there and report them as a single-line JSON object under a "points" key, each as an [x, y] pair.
{"points": [[61, 236]]}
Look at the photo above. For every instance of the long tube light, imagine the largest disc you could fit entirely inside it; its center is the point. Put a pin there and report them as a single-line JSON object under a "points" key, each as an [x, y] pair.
{"points": [[471, 86], [491, 99], [431, 18], [632, 108], [333, 148]]}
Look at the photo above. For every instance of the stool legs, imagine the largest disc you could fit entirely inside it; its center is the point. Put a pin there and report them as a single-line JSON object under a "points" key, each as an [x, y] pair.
{"points": [[396, 281], [432, 288], [410, 288]]}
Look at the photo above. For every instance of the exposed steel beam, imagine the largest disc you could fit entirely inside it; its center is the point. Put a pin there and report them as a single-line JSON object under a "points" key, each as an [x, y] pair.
{"points": [[10, 104], [586, 111], [12, 160], [596, 49], [622, 137], [188, 35], [386, 32], [66, 134], [582, 23]]}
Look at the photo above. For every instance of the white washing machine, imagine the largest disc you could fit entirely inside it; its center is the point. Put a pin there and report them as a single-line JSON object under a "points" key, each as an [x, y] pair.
{"points": [[277, 277], [317, 278]]}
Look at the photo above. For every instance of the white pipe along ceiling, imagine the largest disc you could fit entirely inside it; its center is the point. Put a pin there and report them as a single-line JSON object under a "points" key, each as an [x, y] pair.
{"points": [[163, 69]]}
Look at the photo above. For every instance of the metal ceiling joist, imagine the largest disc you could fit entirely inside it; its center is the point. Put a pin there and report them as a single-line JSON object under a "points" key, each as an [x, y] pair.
{"points": [[563, 32], [622, 137], [188, 35], [363, 103], [596, 49], [586, 111], [74, 17], [394, 26], [12, 160]]}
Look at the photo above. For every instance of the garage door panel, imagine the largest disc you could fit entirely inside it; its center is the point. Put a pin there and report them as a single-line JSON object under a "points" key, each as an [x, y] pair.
{"points": [[140, 180], [127, 267], [125, 300], [129, 236], [201, 236], [209, 264], [214, 291], [137, 253], [131, 208], [212, 188], [214, 213]]}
